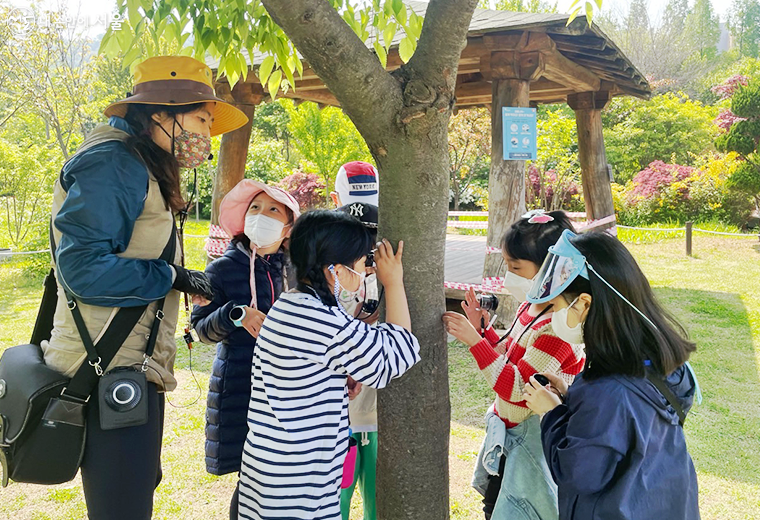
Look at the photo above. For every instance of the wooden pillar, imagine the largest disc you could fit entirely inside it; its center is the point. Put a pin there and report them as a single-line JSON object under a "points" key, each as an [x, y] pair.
{"points": [[597, 192], [511, 73], [233, 151]]}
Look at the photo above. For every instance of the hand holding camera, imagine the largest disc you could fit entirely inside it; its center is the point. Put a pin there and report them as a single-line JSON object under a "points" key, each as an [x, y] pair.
{"points": [[544, 392], [478, 307]]}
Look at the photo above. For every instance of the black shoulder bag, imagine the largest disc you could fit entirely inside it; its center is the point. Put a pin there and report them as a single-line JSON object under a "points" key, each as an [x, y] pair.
{"points": [[42, 412]]}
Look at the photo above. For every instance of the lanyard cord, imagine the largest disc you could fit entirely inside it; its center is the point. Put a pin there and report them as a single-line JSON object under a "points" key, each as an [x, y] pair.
{"points": [[526, 329]]}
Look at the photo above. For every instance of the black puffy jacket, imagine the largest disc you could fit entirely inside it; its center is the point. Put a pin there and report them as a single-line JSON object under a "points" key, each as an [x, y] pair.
{"points": [[230, 383]]}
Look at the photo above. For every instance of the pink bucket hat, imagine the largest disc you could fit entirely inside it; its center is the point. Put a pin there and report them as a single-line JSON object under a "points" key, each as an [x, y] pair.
{"points": [[235, 204]]}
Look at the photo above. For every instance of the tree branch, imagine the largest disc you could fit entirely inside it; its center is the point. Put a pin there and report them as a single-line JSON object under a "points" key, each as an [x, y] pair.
{"points": [[367, 93], [443, 37]]}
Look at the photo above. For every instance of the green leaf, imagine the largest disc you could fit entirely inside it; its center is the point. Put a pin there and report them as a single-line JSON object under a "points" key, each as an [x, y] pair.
{"points": [[286, 68], [265, 69], [134, 14], [589, 12], [572, 17], [598, 4], [382, 55], [398, 7], [389, 33], [401, 17], [406, 49], [273, 85]]}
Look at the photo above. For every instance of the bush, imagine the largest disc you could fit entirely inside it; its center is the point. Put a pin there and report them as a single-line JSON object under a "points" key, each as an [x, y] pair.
{"points": [[552, 191], [307, 188], [673, 192]]}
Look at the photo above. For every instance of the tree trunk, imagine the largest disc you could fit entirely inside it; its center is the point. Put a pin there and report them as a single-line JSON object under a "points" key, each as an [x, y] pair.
{"points": [[506, 180], [414, 412], [404, 118], [233, 153]]}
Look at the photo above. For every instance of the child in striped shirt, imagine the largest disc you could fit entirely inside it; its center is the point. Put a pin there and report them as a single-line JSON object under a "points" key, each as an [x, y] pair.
{"points": [[307, 348], [520, 484]]}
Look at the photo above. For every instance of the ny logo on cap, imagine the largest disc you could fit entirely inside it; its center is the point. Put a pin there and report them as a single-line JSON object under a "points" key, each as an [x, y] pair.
{"points": [[356, 210]]}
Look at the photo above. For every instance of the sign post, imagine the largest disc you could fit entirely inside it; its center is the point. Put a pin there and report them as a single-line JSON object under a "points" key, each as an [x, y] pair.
{"points": [[519, 133]]}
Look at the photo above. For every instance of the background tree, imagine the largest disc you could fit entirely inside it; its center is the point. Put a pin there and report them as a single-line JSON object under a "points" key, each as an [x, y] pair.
{"points": [[745, 27], [469, 151], [742, 137], [704, 29], [325, 139], [403, 117], [667, 127]]}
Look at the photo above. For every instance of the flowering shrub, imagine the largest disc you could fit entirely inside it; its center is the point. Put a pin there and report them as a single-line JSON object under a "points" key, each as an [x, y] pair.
{"points": [[726, 89], [726, 118], [650, 181], [307, 188], [673, 192]]}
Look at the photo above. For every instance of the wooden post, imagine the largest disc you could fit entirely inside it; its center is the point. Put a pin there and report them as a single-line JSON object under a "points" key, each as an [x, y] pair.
{"points": [[233, 151], [510, 72], [231, 166], [597, 192], [689, 225]]}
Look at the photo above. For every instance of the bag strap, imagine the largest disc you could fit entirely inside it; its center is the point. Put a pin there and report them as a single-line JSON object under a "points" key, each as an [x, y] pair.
{"points": [[43, 325], [665, 390], [98, 356]]}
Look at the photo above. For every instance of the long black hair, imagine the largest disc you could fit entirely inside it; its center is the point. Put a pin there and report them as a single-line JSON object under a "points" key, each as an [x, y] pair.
{"points": [[321, 238], [618, 339], [526, 241], [162, 164]]}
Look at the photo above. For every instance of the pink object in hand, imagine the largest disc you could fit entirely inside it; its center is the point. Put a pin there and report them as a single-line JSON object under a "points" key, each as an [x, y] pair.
{"points": [[349, 464]]}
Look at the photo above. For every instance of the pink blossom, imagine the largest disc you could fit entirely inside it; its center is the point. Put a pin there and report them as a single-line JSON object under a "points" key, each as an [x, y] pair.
{"points": [[658, 175], [727, 89], [726, 118], [306, 188]]}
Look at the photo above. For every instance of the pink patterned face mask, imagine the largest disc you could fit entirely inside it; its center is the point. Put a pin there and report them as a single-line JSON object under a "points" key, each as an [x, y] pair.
{"points": [[191, 149]]}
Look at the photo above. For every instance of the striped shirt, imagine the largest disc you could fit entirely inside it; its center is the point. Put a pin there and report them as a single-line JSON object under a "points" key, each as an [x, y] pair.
{"points": [[298, 412], [508, 365]]}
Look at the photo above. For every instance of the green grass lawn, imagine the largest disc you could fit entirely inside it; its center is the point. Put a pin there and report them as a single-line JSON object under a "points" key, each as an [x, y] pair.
{"points": [[715, 294]]}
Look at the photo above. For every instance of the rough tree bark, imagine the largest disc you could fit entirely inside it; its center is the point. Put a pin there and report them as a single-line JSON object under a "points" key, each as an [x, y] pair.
{"points": [[403, 116]]}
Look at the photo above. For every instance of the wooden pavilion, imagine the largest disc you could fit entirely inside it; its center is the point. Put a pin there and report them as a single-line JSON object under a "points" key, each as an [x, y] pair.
{"points": [[510, 60]]}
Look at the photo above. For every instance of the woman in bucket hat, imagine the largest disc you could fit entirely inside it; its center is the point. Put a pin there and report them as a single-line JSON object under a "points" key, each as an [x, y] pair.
{"points": [[113, 216], [246, 280]]}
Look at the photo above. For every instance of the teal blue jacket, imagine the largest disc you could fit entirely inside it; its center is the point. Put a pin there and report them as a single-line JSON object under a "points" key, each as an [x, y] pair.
{"points": [[106, 187]]}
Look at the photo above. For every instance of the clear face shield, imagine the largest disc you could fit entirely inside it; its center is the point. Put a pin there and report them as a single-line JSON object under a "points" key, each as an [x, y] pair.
{"points": [[563, 264]]}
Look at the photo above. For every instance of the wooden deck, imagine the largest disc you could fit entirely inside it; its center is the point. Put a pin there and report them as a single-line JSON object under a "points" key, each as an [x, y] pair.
{"points": [[465, 255]]}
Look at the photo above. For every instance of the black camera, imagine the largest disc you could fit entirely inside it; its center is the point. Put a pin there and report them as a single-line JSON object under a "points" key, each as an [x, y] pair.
{"points": [[488, 302], [123, 399]]}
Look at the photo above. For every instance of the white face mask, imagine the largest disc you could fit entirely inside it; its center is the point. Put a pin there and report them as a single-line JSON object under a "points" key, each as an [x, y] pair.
{"points": [[572, 335], [517, 285], [263, 231], [349, 300]]}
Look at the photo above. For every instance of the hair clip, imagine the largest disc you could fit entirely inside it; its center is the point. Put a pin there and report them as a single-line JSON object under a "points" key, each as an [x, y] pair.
{"points": [[538, 216]]}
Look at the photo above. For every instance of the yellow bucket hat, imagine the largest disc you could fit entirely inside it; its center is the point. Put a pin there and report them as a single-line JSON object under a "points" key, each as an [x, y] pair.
{"points": [[178, 80]]}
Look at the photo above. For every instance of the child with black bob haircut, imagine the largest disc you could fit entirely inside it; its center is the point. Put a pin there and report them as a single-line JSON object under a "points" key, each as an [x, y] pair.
{"points": [[307, 348], [613, 440]]}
